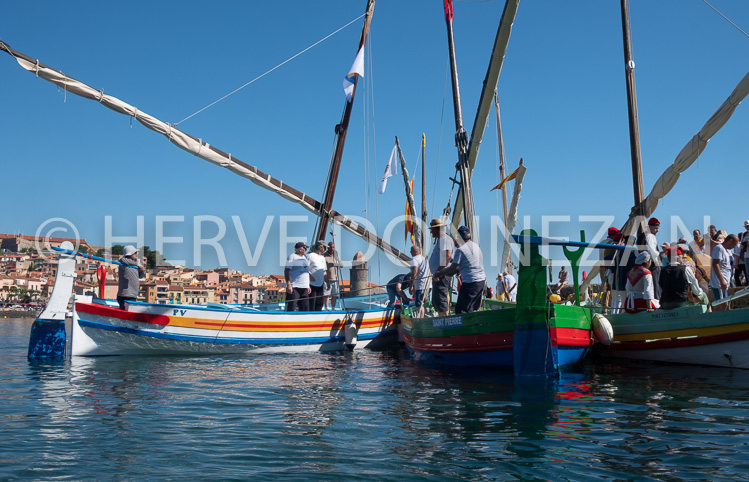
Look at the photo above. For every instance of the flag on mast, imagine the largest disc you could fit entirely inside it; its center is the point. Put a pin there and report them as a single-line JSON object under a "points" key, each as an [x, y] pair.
{"points": [[409, 218], [390, 170], [512, 176], [357, 68]]}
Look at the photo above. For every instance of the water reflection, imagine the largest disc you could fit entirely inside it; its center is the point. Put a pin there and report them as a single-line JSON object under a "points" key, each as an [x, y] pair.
{"points": [[363, 414]]}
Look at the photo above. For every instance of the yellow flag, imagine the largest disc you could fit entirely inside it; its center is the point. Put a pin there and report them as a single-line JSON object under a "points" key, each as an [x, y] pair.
{"points": [[512, 176]]}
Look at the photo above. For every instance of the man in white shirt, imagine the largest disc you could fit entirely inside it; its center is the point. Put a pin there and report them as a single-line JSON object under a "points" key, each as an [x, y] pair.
{"points": [[651, 246], [442, 256], [720, 268], [419, 274], [510, 287], [296, 274], [317, 272], [469, 262]]}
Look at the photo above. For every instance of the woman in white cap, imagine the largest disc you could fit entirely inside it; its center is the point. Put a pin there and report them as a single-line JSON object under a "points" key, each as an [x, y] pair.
{"points": [[640, 287], [129, 278]]}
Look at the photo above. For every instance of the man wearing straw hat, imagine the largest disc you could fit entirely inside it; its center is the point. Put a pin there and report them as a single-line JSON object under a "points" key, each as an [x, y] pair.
{"points": [[442, 256]]}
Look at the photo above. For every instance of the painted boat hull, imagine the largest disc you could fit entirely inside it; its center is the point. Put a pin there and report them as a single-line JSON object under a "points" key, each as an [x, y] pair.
{"points": [[492, 338], [150, 329], [687, 335]]}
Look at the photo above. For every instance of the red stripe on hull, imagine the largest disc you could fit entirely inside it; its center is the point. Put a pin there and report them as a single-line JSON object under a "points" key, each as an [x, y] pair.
{"points": [[570, 337], [680, 342], [463, 343], [122, 315]]}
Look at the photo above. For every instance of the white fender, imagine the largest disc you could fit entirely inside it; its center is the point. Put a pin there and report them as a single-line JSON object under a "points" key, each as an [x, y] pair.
{"points": [[350, 333], [602, 329]]}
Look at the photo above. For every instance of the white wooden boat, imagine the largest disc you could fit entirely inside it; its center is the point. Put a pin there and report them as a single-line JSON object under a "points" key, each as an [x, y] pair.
{"points": [[100, 327]]}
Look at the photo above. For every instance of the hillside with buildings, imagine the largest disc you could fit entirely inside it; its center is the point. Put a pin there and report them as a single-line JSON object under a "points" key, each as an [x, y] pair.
{"points": [[28, 276]]}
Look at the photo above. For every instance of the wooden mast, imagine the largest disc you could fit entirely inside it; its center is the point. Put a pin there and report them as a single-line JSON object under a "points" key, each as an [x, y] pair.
{"points": [[461, 136], [501, 158], [340, 131], [423, 191], [634, 129], [411, 206]]}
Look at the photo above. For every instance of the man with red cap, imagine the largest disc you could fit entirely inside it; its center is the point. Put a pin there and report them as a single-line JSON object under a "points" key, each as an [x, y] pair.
{"points": [[677, 280], [651, 246]]}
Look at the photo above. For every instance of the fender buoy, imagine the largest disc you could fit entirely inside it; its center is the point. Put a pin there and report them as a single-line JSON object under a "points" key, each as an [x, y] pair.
{"points": [[350, 333], [602, 329]]}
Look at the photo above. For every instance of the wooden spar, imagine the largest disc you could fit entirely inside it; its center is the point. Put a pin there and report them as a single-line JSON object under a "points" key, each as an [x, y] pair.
{"points": [[490, 85], [634, 129], [423, 190], [341, 130], [198, 148], [465, 193], [501, 158], [512, 218], [409, 195]]}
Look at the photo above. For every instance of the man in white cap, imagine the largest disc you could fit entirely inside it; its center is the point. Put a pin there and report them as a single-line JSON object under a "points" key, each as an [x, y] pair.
{"points": [[296, 274], [640, 289], [129, 277], [442, 256]]}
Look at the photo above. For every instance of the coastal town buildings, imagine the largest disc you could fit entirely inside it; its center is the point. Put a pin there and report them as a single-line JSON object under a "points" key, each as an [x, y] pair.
{"points": [[27, 277]]}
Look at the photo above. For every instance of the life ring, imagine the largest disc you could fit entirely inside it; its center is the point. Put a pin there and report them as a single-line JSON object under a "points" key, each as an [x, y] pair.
{"points": [[602, 329]]}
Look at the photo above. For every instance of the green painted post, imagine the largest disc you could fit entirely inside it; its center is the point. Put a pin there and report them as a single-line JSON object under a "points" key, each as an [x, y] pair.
{"points": [[573, 256]]}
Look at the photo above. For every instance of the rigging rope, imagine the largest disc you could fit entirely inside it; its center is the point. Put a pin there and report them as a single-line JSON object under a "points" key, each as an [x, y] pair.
{"points": [[439, 140], [727, 19], [269, 71]]}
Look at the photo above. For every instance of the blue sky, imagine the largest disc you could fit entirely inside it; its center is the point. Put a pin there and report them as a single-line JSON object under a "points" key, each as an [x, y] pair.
{"points": [[562, 94]]}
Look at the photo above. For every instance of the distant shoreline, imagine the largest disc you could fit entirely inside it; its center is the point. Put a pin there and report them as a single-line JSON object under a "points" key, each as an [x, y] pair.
{"points": [[19, 314]]}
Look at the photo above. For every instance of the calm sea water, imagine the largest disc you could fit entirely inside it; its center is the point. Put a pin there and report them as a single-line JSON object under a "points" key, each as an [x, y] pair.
{"points": [[362, 415]]}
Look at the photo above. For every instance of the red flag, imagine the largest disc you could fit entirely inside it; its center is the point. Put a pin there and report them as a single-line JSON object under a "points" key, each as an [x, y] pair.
{"points": [[409, 219]]}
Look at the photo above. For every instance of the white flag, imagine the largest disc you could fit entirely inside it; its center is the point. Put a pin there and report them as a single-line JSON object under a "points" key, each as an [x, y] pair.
{"points": [[357, 68], [390, 171]]}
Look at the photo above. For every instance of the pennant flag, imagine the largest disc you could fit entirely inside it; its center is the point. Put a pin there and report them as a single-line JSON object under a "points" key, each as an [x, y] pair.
{"points": [[390, 170], [409, 219], [512, 176], [357, 68]]}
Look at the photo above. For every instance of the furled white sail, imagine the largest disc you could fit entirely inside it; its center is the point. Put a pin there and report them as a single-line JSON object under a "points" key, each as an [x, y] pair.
{"points": [[200, 149], [690, 152], [683, 161]]}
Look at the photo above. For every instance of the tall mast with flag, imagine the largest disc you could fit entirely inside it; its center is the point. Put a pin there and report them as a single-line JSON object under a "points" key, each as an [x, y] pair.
{"points": [[461, 136], [349, 88]]}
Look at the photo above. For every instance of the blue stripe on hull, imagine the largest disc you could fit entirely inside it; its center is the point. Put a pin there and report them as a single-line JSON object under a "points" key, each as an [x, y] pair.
{"points": [[497, 358], [570, 355], [235, 341], [565, 356]]}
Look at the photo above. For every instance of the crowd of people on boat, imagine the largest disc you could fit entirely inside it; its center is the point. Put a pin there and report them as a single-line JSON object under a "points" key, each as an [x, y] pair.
{"points": [[644, 276], [648, 276], [446, 260], [312, 277], [312, 281]]}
